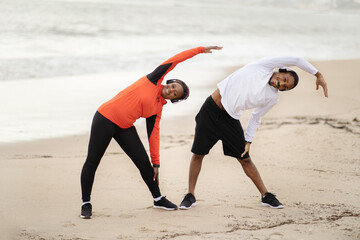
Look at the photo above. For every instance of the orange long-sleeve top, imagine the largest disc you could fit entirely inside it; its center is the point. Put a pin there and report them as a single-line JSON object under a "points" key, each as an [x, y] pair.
{"points": [[143, 99]]}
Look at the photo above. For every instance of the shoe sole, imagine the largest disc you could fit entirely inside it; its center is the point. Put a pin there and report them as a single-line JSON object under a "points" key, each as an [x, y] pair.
{"points": [[268, 205], [187, 208], [85, 217], [165, 208]]}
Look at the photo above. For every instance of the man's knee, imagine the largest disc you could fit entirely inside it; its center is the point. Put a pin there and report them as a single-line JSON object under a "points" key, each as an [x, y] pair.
{"points": [[244, 160], [197, 157]]}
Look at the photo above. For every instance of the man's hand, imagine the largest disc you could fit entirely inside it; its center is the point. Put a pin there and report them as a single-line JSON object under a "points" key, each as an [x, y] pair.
{"points": [[156, 174], [321, 81], [208, 49], [247, 149]]}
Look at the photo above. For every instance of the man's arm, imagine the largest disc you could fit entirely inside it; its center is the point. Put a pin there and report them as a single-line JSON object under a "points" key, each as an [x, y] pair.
{"points": [[286, 61], [255, 119], [254, 122], [320, 81]]}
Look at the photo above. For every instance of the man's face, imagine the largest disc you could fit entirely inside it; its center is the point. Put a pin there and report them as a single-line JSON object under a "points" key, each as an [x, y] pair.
{"points": [[282, 81]]}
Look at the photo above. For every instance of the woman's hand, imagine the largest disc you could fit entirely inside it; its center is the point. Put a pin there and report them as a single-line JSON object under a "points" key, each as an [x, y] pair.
{"points": [[247, 149], [320, 81], [209, 48], [156, 174]]}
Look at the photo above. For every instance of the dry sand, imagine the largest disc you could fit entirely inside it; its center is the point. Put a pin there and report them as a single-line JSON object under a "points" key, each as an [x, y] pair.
{"points": [[307, 151]]}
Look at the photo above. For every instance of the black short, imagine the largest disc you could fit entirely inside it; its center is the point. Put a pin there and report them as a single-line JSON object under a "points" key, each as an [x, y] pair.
{"points": [[213, 124]]}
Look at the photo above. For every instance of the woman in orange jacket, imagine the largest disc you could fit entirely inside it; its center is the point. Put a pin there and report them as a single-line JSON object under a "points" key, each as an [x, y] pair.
{"points": [[115, 118]]}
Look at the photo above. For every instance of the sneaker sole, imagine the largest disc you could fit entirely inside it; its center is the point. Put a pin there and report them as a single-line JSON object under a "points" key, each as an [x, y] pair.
{"points": [[186, 208], [165, 208], [268, 205], [85, 217]]}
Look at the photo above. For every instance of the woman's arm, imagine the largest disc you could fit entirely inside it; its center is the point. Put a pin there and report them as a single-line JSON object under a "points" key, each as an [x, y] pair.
{"points": [[153, 131], [209, 48], [157, 76]]}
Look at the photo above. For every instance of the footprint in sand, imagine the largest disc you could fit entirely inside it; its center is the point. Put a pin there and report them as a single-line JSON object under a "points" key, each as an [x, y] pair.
{"points": [[21, 156], [68, 224], [103, 215], [171, 142], [231, 216], [146, 230], [126, 216], [275, 235]]}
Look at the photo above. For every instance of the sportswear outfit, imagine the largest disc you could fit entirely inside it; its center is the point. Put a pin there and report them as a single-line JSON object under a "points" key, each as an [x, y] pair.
{"points": [[244, 89], [115, 119]]}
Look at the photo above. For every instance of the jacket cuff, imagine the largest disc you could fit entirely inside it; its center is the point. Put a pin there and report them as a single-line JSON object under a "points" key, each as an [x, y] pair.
{"points": [[155, 161]]}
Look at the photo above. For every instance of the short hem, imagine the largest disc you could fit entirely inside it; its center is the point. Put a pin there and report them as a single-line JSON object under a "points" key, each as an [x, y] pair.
{"points": [[200, 153], [244, 157]]}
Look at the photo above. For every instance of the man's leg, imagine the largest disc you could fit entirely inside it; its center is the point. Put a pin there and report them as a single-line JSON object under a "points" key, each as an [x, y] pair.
{"points": [[194, 171], [206, 136], [252, 172], [267, 198]]}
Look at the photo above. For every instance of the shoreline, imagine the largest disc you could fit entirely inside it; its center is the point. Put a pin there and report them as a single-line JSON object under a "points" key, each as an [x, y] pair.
{"points": [[203, 83]]}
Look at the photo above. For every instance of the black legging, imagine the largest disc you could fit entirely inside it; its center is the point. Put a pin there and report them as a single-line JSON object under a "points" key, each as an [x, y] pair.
{"points": [[102, 131]]}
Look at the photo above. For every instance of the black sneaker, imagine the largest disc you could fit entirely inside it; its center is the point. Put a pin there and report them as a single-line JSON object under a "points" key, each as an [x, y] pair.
{"points": [[271, 201], [188, 202], [165, 204], [86, 211]]}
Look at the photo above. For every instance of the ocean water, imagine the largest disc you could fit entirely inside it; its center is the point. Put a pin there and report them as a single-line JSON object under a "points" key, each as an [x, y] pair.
{"points": [[60, 59]]}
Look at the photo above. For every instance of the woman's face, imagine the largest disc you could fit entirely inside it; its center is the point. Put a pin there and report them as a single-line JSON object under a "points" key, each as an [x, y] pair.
{"points": [[172, 91], [282, 81]]}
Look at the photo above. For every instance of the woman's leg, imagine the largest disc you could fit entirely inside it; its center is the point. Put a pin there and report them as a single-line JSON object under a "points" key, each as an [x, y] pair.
{"points": [[102, 130], [129, 141]]}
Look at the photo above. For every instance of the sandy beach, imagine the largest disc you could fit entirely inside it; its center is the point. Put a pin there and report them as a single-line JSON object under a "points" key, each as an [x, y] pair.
{"points": [[61, 59], [307, 151]]}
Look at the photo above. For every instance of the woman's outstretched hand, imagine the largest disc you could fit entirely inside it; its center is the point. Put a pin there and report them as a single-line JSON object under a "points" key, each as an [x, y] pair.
{"points": [[209, 48]]}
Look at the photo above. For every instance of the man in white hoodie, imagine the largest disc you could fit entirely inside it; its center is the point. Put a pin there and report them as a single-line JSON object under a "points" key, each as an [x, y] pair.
{"points": [[254, 86]]}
